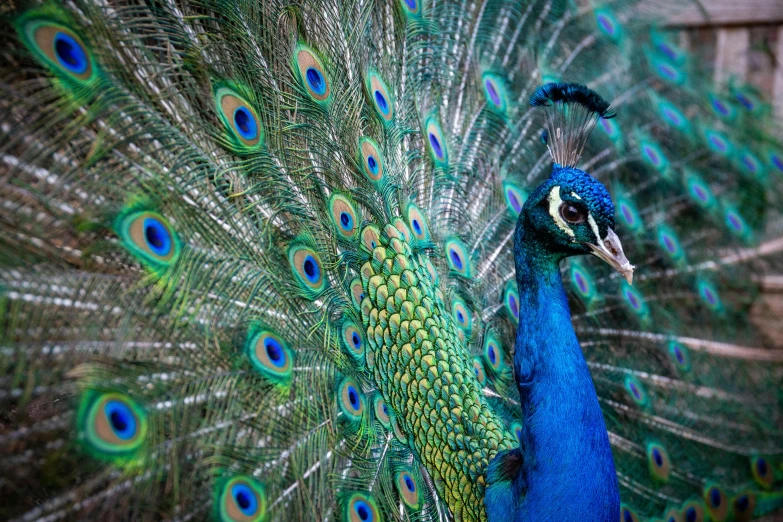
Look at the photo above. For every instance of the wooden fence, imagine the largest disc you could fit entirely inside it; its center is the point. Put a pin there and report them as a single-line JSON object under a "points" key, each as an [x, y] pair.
{"points": [[744, 38]]}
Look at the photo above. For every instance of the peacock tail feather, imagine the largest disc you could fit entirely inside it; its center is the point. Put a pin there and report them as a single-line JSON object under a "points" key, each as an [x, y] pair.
{"points": [[257, 259]]}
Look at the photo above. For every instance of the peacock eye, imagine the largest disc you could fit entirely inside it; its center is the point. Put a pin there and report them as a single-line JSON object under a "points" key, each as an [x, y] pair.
{"points": [[571, 213]]}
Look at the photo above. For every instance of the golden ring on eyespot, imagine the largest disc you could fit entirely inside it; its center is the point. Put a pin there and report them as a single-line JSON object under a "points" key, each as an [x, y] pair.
{"points": [[152, 235], [313, 74], [53, 40], [232, 106]]}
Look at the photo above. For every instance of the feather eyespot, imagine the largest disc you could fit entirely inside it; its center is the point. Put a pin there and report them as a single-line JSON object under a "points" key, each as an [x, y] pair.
{"points": [[717, 503], [679, 356], [693, 511], [515, 198], [239, 117], [744, 506], [371, 238], [370, 159], [411, 7], [353, 341], [114, 426], [241, 499], [635, 390], [582, 282], [461, 314], [628, 515], [436, 142], [516, 429], [312, 73], [59, 48], [418, 224], [149, 237], [307, 269], [361, 507], [357, 293], [511, 301], [457, 257], [408, 489], [709, 295], [658, 462], [269, 354], [493, 354], [381, 411], [380, 96], [478, 371], [344, 216], [494, 92], [351, 400], [762, 472]]}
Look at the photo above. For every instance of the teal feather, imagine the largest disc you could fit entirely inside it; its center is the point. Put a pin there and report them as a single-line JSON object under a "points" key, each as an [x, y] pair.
{"points": [[257, 261]]}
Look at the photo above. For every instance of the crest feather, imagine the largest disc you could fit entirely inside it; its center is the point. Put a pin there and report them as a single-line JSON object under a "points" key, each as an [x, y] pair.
{"points": [[572, 110]]}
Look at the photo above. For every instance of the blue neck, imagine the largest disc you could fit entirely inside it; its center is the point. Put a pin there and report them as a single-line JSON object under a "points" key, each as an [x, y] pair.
{"points": [[564, 470]]}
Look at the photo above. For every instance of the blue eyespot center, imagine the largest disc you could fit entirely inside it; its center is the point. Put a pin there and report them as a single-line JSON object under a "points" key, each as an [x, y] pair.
{"points": [[245, 123], [761, 467], [346, 221], [606, 24], [514, 306], [668, 51], [512, 198], [456, 259], [627, 516], [492, 356], [245, 499], [715, 497], [157, 236], [679, 355], [690, 514], [363, 510], [409, 483], [316, 81], [580, 282], [275, 352], [411, 4], [357, 342], [493, 93], [460, 317], [121, 418], [70, 53], [657, 457], [742, 503], [372, 164], [745, 101], [416, 226], [436, 148], [380, 100], [353, 397], [311, 269]]}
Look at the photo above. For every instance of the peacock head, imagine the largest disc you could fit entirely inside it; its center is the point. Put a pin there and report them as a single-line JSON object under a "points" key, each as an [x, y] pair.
{"points": [[571, 212]]}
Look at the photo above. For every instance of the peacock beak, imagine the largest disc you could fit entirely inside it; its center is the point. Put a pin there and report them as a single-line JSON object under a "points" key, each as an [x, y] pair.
{"points": [[610, 250]]}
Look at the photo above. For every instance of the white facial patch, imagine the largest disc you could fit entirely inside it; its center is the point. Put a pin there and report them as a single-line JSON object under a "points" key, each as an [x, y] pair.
{"points": [[594, 228], [554, 210]]}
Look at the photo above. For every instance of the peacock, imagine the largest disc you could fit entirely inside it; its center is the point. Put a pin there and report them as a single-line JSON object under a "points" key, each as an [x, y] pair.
{"points": [[376, 260]]}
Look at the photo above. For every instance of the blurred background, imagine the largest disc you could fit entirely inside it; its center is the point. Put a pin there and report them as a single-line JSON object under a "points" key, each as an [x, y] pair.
{"points": [[743, 38], [744, 41]]}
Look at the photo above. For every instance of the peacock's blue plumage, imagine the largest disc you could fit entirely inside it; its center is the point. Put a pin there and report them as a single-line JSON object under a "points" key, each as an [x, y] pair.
{"points": [[336, 260]]}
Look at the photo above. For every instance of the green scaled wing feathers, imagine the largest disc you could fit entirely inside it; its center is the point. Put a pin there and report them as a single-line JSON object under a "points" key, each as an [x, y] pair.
{"points": [[256, 259]]}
